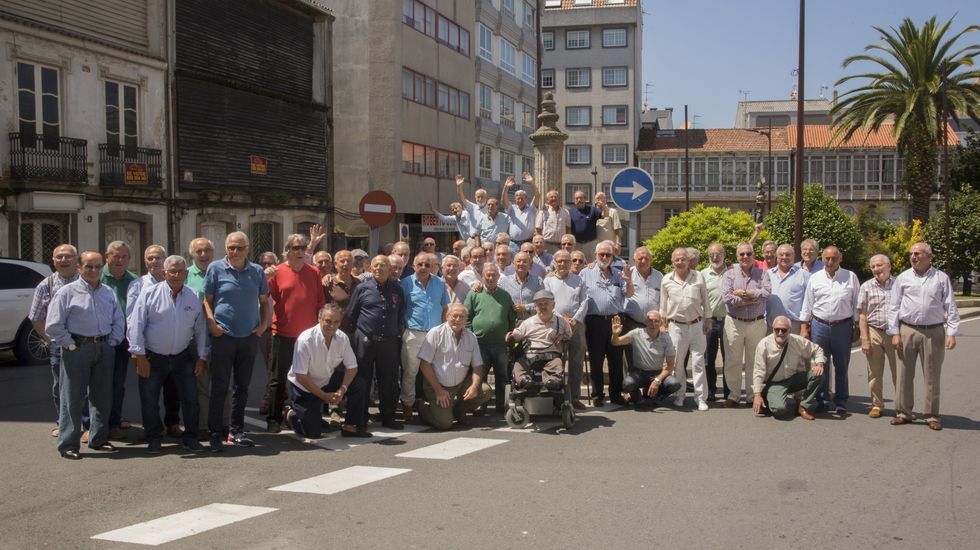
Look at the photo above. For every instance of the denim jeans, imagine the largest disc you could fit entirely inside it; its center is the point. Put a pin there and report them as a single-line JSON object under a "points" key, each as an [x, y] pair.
{"points": [[638, 381], [180, 369], [496, 356], [715, 344], [308, 422], [231, 358], [87, 369], [836, 344]]}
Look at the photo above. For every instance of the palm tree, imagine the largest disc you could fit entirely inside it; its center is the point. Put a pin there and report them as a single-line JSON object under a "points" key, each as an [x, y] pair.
{"points": [[920, 85]]}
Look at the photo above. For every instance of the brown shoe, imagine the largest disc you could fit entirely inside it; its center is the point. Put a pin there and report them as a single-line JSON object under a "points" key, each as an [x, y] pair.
{"points": [[934, 424], [805, 414], [899, 420], [174, 431], [125, 424], [85, 436], [407, 412], [730, 404], [117, 434], [578, 405]]}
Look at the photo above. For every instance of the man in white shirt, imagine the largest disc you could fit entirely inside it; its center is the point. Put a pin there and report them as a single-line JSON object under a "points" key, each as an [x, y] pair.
{"points": [[315, 378], [921, 302], [452, 371], [523, 214], [829, 317], [684, 304], [646, 296]]}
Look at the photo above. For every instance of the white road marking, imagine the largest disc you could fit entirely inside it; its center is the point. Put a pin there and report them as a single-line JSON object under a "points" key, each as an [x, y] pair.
{"points": [[177, 526], [535, 426], [335, 442], [453, 448], [341, 480]]}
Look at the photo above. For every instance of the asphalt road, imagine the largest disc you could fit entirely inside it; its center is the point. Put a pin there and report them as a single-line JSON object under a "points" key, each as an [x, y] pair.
{"points": [[667, 478]]}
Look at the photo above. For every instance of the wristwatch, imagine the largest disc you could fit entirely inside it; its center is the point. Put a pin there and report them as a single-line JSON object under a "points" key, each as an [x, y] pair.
{"points": [[72, 347]]}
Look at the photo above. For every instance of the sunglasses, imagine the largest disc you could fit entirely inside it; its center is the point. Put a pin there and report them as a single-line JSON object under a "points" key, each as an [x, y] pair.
{"points": [[604, 255], [744, 254], [780, 330], [297, 248], [577, 261], [235, 247], [422, 264]]}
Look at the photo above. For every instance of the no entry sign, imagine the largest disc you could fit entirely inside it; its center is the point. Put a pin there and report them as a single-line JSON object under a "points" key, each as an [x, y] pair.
{"points": [[377, 208]]}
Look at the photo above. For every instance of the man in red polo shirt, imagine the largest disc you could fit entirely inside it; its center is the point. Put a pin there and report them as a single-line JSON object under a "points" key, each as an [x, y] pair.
{"points": [[297, 296]]}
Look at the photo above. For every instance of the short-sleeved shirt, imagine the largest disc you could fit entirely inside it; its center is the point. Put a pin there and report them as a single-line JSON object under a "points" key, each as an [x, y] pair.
{"points": [[649, 353], [606, 294], [236, 295], [195, 280], [543, 336], [584, 223], [522, 222], [297, 297], [312, 357], [712, 280], [607, 227], [424, 304], [488, 229], [552, 224], [646, 294], [451, 359], [119, 286], [787, 293]]}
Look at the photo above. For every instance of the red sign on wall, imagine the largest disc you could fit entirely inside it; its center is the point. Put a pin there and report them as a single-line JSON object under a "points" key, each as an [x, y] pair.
{"points": [[259, 166], [135, 173]]}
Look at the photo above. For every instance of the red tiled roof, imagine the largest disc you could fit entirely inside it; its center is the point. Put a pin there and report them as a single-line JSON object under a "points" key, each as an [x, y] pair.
{"points": [[711, 140], [820, 136]]}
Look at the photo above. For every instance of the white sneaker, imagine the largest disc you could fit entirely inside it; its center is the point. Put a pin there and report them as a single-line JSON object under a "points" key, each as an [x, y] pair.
{"points": [[702, 406], [679, 401]]}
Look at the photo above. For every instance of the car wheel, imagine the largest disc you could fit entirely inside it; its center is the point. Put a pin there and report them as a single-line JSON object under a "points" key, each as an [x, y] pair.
{"points": [[30, 348]]}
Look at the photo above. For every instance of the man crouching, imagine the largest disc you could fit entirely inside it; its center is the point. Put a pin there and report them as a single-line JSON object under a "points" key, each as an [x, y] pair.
{"points": [[785, 364]]}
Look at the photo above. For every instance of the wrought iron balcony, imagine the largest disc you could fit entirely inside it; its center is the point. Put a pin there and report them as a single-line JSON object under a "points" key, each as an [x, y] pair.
{"points": [[44, 157], [122, 165]]}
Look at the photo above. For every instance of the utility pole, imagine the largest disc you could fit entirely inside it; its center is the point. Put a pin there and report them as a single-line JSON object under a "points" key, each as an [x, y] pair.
{"points": [[687, 164], [800, 123]]}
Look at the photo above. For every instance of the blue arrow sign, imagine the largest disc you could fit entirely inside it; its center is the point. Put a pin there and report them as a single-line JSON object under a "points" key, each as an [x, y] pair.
{"points": [[632, 189]]}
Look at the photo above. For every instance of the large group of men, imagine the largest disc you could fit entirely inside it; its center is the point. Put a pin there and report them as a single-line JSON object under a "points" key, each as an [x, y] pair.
{"points": [[422, 334]]}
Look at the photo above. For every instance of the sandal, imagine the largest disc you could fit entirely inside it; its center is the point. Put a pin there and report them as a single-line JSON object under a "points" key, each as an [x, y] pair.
{"points": [[935, 424]]}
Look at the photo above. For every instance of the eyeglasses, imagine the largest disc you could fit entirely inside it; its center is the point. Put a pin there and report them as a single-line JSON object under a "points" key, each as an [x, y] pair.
{"points": [[297, 248], [92, 267], [428, 244], [176, 271], [422, 264], [745, 254], [578, 261], [235, 247], [603, 254], [780, 330]]}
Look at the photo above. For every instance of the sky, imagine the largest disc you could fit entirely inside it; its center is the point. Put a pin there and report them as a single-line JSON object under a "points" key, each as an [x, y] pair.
{"points": [[703, 52]]}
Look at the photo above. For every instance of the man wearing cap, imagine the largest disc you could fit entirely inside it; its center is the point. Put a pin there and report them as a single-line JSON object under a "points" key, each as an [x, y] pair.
{"points": [[785, 364], [452, 372], [545, 332], [360, 258]]}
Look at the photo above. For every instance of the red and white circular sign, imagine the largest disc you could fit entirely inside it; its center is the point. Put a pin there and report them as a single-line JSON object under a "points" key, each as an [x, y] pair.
{"points": [[377, 208]]}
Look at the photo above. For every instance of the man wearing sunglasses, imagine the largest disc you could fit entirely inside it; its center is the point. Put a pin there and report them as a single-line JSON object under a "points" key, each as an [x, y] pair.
{"points": [[745, 289], [785, 364], [426, 301]]}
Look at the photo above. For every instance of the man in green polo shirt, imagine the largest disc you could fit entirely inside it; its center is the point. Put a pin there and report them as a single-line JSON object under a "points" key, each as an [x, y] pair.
{"points": [[117, 278], [490, 315], [202, 252]]}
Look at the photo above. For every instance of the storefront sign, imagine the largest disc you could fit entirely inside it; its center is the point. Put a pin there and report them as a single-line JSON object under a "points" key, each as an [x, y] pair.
{"points": [[136, 173], [431, 224]]}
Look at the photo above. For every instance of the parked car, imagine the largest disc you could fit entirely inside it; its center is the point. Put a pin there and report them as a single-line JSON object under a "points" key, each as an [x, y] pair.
{"points": [[18, 279]]}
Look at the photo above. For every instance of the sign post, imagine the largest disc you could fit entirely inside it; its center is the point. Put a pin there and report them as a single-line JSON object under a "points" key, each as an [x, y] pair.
{"points": [[377, 209]]}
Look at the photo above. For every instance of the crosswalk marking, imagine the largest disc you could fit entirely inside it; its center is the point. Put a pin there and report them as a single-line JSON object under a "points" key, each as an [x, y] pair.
{"points": [[184, 524], [338, 443], [341, 480], [453, 448]]}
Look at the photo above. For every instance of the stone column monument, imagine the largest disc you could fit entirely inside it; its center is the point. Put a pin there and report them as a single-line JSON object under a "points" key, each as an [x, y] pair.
{"points": [[549, 149]]}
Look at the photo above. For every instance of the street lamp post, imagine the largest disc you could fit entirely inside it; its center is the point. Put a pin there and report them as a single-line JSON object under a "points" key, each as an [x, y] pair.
{"points": [[595, 180], [768, 134], [800, 123]]}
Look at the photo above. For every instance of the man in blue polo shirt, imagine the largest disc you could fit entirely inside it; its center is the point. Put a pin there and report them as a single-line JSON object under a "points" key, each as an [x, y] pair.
{"points": [[426, 301], [584, 218], [236, 292]]}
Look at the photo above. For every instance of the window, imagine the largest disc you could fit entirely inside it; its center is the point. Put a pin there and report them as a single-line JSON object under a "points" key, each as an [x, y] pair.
{"points": [[507, 57], [670, 213], [529, 73], [427, 21], [578, 116], [39, 101], [506, 164], [613, 77], [572, 188], [548, 40], [547, 78], [528, 17], [464, 105], [427, 91], [577, 40], [486, 101], [614, 154], [713, 181], [486, 43], [443, 97], [423, 160], [486, 161], [121, 115], [507, 111], [578, 154], [527, 118], [552, 3], [528, 165], [578, 78], [615, 1], [583, 2], [613, 115], [507, 6], [613, 38]]}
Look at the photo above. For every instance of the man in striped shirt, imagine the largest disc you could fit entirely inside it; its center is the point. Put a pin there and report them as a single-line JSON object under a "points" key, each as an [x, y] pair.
{"points": [[873, 308]]}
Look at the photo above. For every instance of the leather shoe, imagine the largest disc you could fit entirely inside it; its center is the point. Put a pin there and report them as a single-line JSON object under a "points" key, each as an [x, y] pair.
{"points": [[875, 412], [117, 434], [71, 455], [360, 432], [618, 401], [598, 402], [730, 404], [153, 447], [934, 424], [804, 414], [578, 405], [407, 412], [107, 447], [174, 430], [392, 424], [899, 420]]}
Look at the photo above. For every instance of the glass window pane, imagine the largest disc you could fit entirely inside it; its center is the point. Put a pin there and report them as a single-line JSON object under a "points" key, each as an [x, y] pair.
{"points": [[406, 157], [407, 80], [419, 161]]}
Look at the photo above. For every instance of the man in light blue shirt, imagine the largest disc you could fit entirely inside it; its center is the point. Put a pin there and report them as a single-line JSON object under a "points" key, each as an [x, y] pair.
{"points": [[788, 288], [166, 319], [426, 301], [493, 224], [608, 291], [86, 322], [237, 294]]}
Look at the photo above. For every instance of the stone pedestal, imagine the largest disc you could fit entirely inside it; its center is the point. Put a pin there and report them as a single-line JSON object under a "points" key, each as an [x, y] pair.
{"points": [[549, 149]]}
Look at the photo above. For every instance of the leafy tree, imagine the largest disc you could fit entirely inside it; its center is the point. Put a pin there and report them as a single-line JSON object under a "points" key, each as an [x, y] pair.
{"points": [[897, 245], [920, 73], [823, 220], [699, 227], [964, 235], [874, 229]]}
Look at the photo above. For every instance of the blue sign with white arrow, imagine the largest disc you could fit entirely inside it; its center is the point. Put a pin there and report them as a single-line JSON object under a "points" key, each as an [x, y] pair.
{"points": [[632, 189]]}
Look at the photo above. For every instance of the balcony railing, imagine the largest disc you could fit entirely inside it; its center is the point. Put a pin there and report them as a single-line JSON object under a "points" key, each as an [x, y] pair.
{"points": [[45, 157], [123, 165]]}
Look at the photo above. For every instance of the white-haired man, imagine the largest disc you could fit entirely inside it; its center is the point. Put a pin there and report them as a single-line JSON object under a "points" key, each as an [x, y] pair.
{"points": [[873, 311]]}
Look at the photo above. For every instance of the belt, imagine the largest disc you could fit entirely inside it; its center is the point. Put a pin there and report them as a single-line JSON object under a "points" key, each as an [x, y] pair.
{"points": [[698, 320], [603, 317], [79, 339], [759, 318], [379, 338], [165, 356], [719, 319], [832, 323], [922, 327]]}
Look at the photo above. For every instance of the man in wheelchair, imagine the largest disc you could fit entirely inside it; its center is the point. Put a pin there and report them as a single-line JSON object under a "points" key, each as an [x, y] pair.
{"points": [[544, 334]]}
